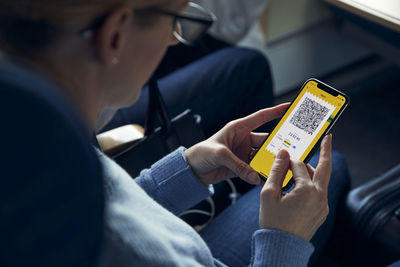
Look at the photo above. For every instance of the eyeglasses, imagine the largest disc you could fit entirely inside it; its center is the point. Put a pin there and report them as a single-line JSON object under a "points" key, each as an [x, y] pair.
{"points": [[190, 24]]}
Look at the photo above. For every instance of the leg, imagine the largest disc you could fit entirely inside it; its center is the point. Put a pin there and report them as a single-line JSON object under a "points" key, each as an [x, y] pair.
{"points": [[229, 235], [395, 264], [220, 87], [181, 55], [339, 185]]}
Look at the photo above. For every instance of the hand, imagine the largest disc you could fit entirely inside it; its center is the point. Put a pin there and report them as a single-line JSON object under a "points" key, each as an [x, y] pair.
{"points": [[303, 210], [226, 153]]}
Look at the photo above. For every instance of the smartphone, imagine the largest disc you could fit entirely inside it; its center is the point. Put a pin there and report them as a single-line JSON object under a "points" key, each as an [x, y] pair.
{"points": [[308, 119]]}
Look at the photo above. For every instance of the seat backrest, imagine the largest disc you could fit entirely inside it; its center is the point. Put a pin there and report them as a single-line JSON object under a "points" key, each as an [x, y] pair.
{"points": [[51, 190]]}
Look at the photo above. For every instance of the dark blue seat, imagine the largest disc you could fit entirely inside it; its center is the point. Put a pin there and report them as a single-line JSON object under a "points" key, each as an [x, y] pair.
{"points": [[51, 190]]}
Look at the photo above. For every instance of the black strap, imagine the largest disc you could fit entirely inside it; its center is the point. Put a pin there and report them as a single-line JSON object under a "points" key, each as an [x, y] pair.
{"points": [[156, 107]]}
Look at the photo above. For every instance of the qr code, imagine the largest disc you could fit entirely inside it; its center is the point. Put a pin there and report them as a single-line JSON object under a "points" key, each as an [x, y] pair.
{"points": [[309, 115]]}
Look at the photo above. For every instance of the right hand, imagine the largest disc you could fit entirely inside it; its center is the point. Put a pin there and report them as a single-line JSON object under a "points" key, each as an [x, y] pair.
{"points": [[302, 211]]}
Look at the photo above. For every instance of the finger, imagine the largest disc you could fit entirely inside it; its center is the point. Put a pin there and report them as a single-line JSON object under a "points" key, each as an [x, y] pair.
{"points": [[238, 167], [263, 116], [310, 170], [252, 153], [324, 167], [300, 171], [279, 170], [257, 139]]}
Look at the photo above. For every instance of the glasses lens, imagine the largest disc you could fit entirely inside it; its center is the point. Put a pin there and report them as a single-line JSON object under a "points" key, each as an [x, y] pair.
{"points": [[187, 30]]}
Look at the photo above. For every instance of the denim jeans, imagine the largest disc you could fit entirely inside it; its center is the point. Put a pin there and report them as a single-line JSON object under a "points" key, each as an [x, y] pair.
{"points": [[395, 264], [225, 85], [229, 234]]}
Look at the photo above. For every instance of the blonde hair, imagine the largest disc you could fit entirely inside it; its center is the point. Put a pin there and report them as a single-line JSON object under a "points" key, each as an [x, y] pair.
{"points": [[28, 25]]}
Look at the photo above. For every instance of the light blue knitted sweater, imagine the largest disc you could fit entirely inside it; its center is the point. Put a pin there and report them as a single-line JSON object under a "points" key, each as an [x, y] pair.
{"points": [[142, 230]]}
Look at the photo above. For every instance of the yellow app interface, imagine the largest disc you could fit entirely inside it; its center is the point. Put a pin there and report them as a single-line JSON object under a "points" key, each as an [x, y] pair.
{"points": [[300, 128]]}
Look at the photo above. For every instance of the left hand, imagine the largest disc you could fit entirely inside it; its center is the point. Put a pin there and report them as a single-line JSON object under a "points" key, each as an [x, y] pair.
{"points": [[226, 154]]}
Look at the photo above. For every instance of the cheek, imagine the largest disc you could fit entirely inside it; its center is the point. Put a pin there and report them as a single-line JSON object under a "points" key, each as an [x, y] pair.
{"points": [[143, 56], [152, 55], [144, 64], [152, 47]]}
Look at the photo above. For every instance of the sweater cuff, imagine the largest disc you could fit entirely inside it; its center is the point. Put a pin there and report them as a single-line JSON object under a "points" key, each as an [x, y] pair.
{"points": [[276, 248], [179, 189]]}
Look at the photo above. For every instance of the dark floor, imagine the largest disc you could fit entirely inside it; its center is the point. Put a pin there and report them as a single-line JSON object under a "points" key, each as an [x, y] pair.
{"points": [[368, 132]]}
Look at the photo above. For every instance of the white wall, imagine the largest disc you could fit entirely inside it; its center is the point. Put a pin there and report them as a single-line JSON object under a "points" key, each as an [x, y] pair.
{"points": [[303, 41], [288, 16]]}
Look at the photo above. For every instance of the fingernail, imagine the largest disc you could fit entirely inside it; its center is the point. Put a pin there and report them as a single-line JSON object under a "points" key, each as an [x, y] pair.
{"points": [[329, 136], [282, 154], [254, 178]]}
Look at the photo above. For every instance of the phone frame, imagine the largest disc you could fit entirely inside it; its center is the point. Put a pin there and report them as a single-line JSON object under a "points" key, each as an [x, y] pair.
{"points": [[329, 90]]}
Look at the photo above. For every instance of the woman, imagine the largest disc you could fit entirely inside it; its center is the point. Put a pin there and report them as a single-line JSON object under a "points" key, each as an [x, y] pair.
{"points": [[100, 54]]}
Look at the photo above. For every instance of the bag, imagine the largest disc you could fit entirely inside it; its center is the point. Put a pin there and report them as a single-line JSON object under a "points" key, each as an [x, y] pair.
{"points": [[183, 130], [373, 211]]}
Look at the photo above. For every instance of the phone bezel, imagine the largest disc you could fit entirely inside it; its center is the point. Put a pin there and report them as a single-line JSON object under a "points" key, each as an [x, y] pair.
{"points": [[330, 90]]}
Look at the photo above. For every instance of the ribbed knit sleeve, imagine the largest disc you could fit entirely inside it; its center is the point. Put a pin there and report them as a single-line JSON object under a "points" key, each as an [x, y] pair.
{"points": [[172, 184], [276, 248]]}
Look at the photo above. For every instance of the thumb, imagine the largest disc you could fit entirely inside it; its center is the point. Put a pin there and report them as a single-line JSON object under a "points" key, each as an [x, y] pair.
{"points": [[279, 170], [239, 167]]}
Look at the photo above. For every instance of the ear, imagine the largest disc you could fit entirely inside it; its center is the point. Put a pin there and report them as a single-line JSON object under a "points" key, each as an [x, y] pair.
{"points": [[111, 37]]}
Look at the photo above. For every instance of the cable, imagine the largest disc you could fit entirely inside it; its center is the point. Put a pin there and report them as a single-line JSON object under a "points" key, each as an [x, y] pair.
{"points": [[234, 195], [211, 214], [212, 205], [196, 211]]}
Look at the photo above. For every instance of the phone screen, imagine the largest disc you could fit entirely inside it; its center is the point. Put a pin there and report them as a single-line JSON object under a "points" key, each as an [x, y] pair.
{"points": [[309, 116]]}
